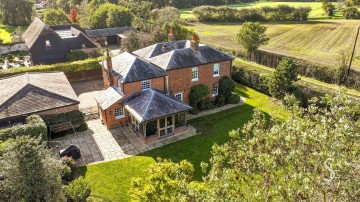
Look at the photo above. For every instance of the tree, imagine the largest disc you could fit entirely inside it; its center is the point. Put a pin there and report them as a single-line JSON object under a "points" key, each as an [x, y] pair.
{"points": [[141, 12], [16, 12], [136, 40], [84, 15], [283, 77], [226, 87], [29, 173], [329, 8], [55, 17], [78, 190], [110, 15], [64, 5], [251, 36], [312, 156], [165, 15], [74, 18], [95, 4]]}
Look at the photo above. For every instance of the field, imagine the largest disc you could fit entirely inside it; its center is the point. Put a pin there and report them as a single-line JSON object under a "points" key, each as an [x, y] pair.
{"points": [[315, 41], [112, 180], [316, 12]]}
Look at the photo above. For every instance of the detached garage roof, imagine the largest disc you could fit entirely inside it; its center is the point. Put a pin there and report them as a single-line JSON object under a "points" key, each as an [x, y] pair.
{"points": [[108, 31], [34, 92]]}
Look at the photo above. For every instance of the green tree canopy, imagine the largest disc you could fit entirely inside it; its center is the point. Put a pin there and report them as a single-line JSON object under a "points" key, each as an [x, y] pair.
{"points": [[16, 12], [28, 171], [283, 77], [110, 15], [55, 17], [312, 156], [252, 35]]}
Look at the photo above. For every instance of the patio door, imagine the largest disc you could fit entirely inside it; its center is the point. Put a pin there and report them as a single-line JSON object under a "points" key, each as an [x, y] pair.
{"points": [[166, 125]]}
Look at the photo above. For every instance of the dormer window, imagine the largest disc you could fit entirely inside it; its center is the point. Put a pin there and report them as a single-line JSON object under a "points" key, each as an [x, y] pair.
{"points": [[47, 44]]}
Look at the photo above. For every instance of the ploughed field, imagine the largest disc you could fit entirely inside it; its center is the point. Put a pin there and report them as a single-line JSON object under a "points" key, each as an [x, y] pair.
{"points": [[316, 12], [314, 41]]}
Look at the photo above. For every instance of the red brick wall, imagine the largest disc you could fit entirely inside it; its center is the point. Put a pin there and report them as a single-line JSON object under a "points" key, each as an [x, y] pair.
{"points": [[129, 88], [180, 79], [60, 110], [109, 119]]}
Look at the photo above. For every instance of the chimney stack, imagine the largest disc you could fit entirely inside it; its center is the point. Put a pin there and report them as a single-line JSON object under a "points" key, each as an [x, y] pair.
{"points": [[195, 43], [171, 36], [108, 81]]}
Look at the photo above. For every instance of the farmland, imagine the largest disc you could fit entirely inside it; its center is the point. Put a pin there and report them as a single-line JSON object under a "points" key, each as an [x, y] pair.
{"points": [[316, 12], [314, 41]]}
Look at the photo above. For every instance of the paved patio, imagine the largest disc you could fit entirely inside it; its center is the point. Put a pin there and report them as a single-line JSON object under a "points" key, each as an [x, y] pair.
{"points": [[97, 144], [86, 90]]}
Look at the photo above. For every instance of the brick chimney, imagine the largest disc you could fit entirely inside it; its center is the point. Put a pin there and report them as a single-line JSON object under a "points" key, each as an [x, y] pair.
{"points": [[171, 36], [194, 43]]}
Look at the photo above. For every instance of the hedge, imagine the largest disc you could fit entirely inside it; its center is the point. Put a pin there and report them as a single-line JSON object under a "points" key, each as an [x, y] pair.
{"points": [[68, 67], [33, 127], [77, 118]]}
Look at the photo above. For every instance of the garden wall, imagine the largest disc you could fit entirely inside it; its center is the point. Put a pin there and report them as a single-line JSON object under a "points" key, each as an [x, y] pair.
{"points": [[83, 75], [9, 48]]}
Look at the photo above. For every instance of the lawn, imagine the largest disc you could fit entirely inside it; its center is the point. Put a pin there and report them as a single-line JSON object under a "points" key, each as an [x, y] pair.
{"points": [[316, 12], [112, 180], [314, 41], [5, 32]]}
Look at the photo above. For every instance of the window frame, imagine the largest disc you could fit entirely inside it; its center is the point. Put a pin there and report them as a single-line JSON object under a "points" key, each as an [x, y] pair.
{"points": [[122, 114], [181, 95], [215, 86], [216, 69], [48, 44], [143, 83], [195, 69], [119, 85]]}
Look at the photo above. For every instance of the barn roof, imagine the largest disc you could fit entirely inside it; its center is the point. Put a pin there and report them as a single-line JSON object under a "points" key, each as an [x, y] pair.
{"points": [[35, 29], [33, 92], [130, 68], [108, 31], [178, 54], [151, 104]]}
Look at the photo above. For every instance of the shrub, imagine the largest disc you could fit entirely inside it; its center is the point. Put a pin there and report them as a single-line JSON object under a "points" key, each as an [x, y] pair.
{"points": [[76, 117], [233, 99], [78, 66], [34, 126], [197, 93], [226, 87], [66, 172], [251, 79], [219, 101], [78, 190], [351, 13], [76, 55], [205, 104]]}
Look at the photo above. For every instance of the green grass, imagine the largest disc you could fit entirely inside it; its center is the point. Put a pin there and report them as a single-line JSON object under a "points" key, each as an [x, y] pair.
{"points": [[314, 41], [112, 180], [316, 12]]}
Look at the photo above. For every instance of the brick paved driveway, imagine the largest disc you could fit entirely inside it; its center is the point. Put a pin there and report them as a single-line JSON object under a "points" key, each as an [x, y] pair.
{"points": [[98, 144]]}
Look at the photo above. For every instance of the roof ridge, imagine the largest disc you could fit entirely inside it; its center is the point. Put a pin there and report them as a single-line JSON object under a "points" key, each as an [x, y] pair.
{"points": [[151, 100]]}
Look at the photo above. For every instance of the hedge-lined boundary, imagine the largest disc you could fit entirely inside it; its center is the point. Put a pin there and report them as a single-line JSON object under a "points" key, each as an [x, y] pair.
{"points": [[33, 127], [322, 73], [76, 117], [69, 67]]}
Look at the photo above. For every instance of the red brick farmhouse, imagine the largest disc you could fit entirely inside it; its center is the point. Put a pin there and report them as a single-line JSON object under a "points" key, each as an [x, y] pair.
{"points": [[148, 90]]}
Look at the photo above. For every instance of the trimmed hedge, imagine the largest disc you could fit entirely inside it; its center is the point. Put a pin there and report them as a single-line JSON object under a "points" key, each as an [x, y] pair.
{"points": [[77, 118], [77, 66], [33, 127]]}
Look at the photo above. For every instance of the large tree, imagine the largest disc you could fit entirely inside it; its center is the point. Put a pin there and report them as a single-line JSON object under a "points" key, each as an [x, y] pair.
{"points": [[312, 156], [55, 17], [252, 35], [281, 81], [16, 12], [28, 172], [110, 15]]}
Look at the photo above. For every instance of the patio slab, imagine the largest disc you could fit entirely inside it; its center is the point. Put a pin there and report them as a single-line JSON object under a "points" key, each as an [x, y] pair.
{"points": [[98, 144]]}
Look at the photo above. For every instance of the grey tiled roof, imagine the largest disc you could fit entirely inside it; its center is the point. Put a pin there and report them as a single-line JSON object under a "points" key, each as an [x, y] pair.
{"points": [[152, 104], [33, 92], [109, 97], [178, 54], [130, 68], [108, 31]]}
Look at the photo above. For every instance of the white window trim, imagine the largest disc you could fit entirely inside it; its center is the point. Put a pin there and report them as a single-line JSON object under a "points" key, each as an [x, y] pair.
{"points": [[181, 94], [217, 91], [197, 70], [47, 43], [218, 70], [121, 116], [142, 84]]}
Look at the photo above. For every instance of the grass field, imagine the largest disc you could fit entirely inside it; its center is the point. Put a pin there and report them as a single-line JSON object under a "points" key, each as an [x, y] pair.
{"points": [[112, 180], [314, 41], [316, 12]]}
